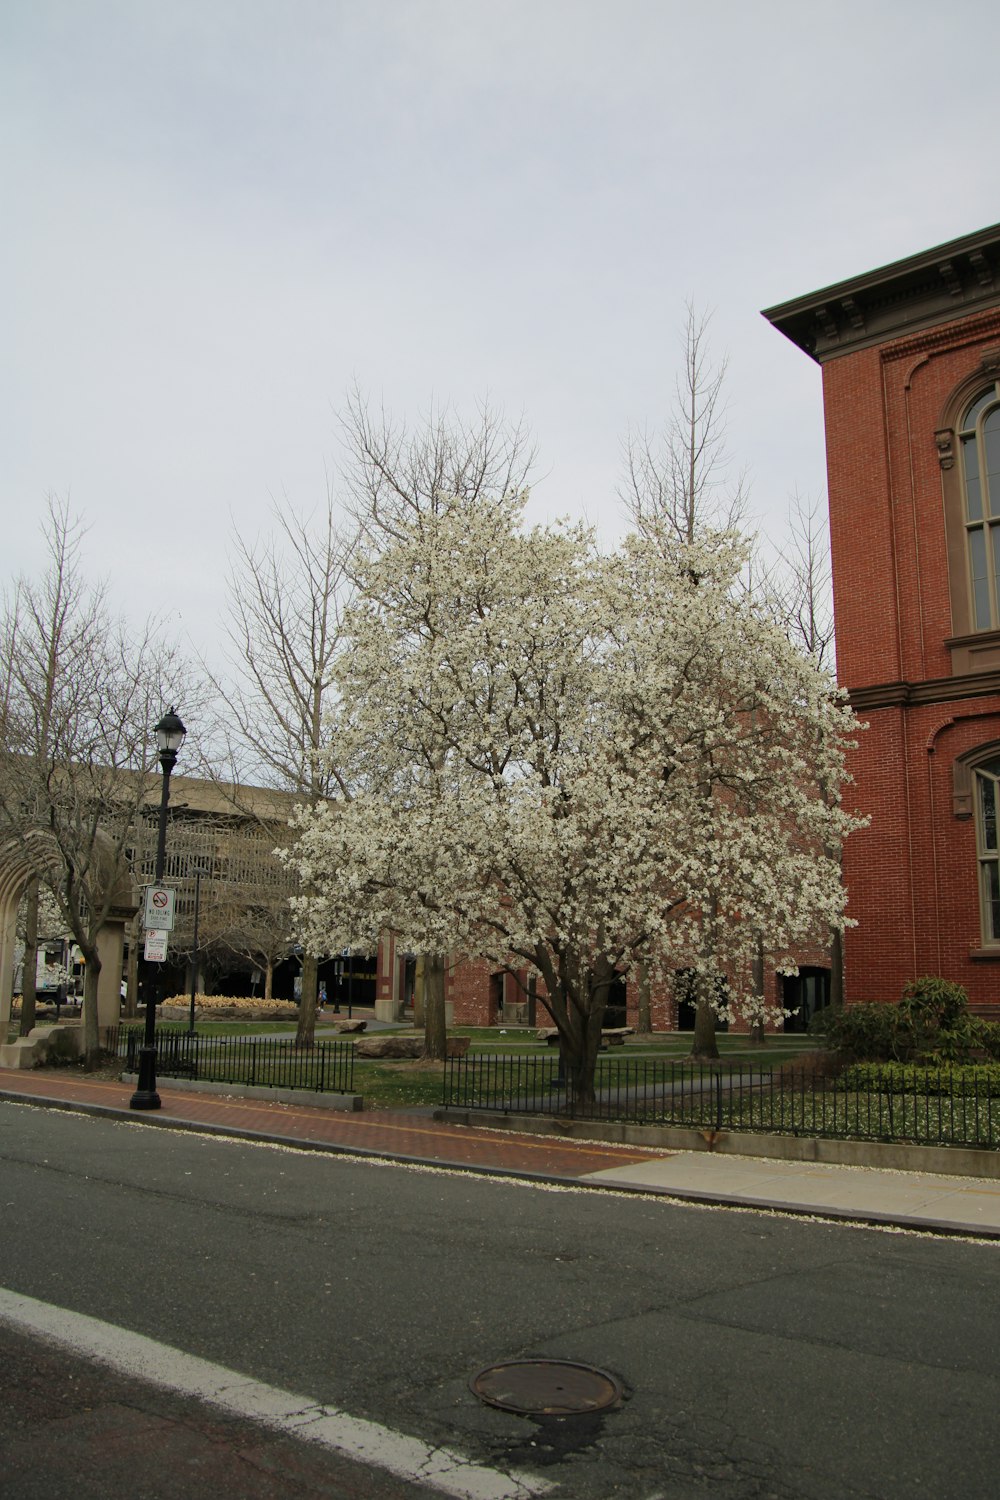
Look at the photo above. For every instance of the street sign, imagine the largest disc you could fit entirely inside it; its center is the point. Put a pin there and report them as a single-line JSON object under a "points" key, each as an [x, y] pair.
{"points": [[159, 911], [155, 950]]}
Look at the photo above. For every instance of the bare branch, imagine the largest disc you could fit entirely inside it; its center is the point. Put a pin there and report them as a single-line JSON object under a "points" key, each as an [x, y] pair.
{"points": [[678, 477]]}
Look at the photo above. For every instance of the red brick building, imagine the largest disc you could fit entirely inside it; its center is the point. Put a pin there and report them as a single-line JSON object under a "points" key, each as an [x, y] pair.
{"points": [[910, 356]]}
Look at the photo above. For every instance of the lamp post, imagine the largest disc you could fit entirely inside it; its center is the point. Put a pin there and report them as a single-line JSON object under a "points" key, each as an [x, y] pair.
{"points": [[199, 872], [170, 734]]}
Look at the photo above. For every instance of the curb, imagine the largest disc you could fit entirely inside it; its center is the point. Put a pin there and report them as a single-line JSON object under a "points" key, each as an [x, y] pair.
{"points": [[687, 1197], [944, 1161]]}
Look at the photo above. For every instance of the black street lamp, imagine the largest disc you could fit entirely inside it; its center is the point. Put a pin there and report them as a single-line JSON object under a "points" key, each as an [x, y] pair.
{"points": [[169, 733]]}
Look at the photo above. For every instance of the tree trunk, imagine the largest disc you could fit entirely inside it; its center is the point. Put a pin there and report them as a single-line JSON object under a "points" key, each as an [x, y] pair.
{"points": [[92, 1050], [705, 1047], [757, 1026], [837, 970], [418, 991], [305, 1035], [131, 1007], [580, 1056], [644, 1022], [29, 968], [269, 979], [435, 1027], [579, 1028]]}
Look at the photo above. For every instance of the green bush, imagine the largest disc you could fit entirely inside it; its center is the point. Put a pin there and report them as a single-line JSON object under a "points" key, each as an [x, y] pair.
{"points": [[957, 1044], [934, 1004], [917, 1078], [987, 1037], [819, 1021], [869, 1033], [931, 1024]]}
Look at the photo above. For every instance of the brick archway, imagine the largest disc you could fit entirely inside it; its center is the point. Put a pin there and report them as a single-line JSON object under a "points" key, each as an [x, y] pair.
{"points": [[16, 869]]}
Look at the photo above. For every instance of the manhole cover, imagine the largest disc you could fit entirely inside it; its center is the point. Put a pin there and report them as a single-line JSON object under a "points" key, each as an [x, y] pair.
{"points": [[546, 1387]]}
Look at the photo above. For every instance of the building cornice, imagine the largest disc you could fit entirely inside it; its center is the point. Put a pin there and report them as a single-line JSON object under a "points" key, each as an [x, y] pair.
{"points": [[937, 286], [935, 690]]}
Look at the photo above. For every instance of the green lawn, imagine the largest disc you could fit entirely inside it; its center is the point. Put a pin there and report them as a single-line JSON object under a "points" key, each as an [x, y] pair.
{"points": [[393, 1085], [228, 1028], [404, 1085], [673, 1044]]}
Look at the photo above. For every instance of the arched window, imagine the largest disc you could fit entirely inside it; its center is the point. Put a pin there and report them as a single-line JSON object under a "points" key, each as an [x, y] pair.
{"points": [[979, 440], [987, 783]]}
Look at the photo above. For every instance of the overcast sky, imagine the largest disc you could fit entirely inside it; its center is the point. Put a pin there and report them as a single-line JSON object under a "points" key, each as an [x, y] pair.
{"points": [[218, 214]]}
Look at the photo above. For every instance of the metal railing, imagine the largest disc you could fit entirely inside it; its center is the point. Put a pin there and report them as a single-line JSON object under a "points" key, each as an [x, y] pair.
{"points": [[938, 1107], [268, 1062]]}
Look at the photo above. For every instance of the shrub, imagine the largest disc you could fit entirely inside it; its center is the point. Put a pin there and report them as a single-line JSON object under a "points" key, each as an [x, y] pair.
{"points": [[819, 1021], [931, 1024], [934, 1004], [919, 1078], [987, 1037], [954, 1045], [869, 1033]]}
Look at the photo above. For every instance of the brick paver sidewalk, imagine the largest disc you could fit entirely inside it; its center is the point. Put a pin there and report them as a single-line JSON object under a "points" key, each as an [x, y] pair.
{"points": [[386, 1133]]}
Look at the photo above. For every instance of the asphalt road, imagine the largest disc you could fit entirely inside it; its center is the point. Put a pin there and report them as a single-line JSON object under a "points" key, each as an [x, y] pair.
{"points": [[761, 1357]]}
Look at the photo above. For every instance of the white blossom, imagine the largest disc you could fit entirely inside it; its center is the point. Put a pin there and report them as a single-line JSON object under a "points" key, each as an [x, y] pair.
{"points": [[575, 763]]}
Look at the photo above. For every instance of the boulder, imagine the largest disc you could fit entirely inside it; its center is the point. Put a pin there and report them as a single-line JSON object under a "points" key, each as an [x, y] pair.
{"points": [[346, 1026], [389, 1046], [405, 1046]]}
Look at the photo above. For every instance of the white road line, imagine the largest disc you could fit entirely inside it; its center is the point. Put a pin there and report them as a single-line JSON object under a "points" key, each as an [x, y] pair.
{"points": [[366, 1442]]}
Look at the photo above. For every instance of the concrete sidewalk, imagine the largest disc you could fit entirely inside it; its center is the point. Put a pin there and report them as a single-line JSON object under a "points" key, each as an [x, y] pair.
{"points": [[917, 1200], [870, 1195]]}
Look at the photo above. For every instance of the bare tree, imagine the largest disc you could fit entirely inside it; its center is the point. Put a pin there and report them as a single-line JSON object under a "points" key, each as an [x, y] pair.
{"points": [[287, 593], [82, 693], [680, 473], [394, 473], [257, 931], [804, 583]]}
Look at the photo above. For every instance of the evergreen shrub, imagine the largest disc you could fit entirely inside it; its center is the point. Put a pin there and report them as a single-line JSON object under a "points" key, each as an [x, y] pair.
{"points": [[980, 1079]]}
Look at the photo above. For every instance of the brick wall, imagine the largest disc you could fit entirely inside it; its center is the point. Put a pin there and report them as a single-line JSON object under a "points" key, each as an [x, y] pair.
{"points": [[911, 876]]}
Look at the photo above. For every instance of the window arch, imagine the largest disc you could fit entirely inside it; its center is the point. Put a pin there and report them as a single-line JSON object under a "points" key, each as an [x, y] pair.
{"points": [[979, 444], [986, 779]]}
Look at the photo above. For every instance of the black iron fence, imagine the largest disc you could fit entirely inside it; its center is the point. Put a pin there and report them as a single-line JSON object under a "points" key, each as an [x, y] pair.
{"points": [[934, 1106], [269, 1062]]}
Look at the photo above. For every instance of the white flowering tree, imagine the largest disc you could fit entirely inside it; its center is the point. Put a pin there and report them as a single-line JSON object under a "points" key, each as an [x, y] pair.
{"points": [[574, 763]]}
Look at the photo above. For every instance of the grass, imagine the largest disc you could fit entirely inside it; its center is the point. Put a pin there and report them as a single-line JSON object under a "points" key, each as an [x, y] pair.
{"points": [[386, 1085], [399, 1085], [226, 1028], [673, 1044]]}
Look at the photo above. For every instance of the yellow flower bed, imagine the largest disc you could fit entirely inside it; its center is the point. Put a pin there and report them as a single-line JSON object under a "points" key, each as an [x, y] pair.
{"points": [[234, 1003]]}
